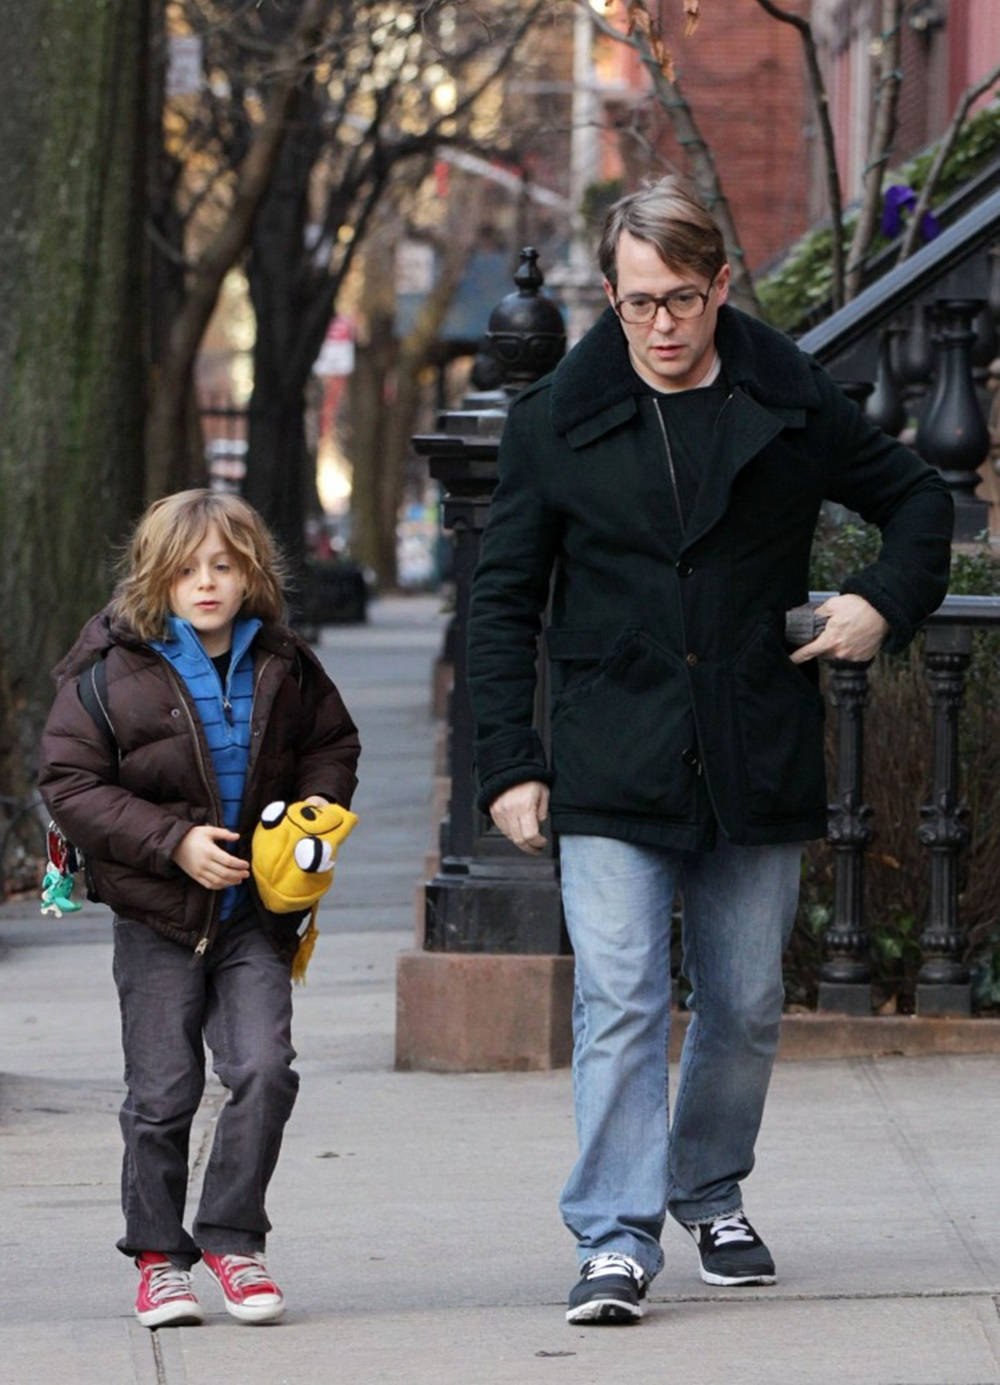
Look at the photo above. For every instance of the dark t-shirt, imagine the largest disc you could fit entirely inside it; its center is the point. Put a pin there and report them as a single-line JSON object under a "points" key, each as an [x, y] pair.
{"points": [[689, 418]]}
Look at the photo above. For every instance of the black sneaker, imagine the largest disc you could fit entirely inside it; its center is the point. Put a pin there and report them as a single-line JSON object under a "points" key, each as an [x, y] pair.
{"points": [[731, 1252], [608, 1291]]}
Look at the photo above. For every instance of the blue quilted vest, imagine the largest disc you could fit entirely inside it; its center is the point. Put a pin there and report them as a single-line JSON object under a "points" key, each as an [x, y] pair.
{"points": [[224, 712]]}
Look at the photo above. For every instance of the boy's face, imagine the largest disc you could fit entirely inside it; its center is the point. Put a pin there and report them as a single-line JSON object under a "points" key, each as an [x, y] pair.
{"points": [[208, 591]]}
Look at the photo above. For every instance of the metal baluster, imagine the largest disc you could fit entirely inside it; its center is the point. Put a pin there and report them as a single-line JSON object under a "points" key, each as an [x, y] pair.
{"points": [[952, 433], [885, 406], [845, 975], [943, 980]]}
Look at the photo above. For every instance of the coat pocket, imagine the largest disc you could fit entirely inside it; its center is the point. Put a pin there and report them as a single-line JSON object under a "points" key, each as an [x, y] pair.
{"points": [[779, 713], [621, 722]]}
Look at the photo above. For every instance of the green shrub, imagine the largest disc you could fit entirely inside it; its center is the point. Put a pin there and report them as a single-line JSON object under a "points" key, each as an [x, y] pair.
{"points": [[805, 276]]}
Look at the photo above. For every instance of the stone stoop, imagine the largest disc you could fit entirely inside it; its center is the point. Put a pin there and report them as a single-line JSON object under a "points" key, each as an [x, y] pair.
{"points": [[500, 1012]]}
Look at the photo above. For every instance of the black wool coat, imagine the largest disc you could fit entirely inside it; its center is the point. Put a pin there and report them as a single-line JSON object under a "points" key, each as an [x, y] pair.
{"points": [[670, 676]]}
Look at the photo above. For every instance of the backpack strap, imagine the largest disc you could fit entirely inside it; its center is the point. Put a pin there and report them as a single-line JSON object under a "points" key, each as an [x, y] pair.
{"points": [[92, 688]]}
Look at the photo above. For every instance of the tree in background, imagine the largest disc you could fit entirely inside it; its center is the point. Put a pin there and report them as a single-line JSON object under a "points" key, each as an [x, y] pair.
{"points": [[388, 385], [72, 128], [367, 88]]}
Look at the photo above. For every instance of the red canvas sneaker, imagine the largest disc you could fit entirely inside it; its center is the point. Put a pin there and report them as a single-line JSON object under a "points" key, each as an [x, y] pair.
{"points": [[165, 1297], [250, 1293]]}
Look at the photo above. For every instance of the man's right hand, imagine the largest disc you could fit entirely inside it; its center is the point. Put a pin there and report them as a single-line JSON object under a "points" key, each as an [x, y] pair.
{"points": [[518, 812]]}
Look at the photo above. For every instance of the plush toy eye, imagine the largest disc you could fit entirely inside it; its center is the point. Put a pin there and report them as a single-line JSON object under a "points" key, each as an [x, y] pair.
{"points": [[273, 814], [312, 854]]}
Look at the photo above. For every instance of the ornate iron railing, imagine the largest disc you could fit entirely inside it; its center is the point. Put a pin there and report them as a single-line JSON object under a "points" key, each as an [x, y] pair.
{"points": [[943, 985]]}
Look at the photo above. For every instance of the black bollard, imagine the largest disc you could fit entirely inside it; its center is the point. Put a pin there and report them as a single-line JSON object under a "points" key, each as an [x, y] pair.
{"points": [[492, 986]]}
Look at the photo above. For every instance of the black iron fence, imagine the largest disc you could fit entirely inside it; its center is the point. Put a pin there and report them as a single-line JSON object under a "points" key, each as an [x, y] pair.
{"points": [[943, 982]]}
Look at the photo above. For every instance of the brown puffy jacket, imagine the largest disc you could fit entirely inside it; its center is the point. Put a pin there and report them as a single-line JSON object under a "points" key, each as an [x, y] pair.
{"points": [[130, 810]]}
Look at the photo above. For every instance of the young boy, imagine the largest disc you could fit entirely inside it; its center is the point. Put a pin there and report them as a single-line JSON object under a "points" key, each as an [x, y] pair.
{"points": [[217, 709]]}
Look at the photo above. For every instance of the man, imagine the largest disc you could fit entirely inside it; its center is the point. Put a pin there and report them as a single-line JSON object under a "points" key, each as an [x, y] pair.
{"points": [[668, 476]]}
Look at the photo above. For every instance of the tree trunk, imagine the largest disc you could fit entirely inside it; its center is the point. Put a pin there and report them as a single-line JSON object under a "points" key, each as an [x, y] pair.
{"points": [[374, 490], [168, 434], [72, 128], [281, 480]]}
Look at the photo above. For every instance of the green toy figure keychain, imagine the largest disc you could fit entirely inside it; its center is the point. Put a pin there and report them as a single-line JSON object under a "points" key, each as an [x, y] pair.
{"points": [[57, 882]]}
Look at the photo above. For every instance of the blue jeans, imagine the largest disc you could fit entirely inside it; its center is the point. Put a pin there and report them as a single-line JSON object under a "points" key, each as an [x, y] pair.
{"points": [[239, 1000], [738, 907]]}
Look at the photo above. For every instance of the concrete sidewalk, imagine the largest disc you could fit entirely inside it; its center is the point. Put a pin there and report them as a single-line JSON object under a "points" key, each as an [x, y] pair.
{"points": [[416, 1233]]}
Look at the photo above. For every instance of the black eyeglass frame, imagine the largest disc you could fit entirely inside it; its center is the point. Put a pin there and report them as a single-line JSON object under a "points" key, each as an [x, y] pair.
{"points": [[662, 300]]}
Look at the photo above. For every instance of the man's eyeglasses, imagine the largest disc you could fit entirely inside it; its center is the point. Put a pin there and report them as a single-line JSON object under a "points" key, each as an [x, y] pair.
{"points": [[639, 309]]}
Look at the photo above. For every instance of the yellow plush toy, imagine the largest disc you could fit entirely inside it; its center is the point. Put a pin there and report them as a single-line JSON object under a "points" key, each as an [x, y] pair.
{"points": [[292, 854]]}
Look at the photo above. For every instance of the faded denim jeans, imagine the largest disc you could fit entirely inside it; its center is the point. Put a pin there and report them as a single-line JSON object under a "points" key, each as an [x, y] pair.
{"points": [[634, 1163], [238, 999]]}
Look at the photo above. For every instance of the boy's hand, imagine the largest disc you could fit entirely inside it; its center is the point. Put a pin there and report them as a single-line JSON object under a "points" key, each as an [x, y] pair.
{"points": [[200, 856]]}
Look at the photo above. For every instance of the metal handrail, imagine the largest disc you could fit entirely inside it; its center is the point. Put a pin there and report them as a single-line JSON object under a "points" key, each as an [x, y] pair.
{"points": [[905, 283], [979, 611]]}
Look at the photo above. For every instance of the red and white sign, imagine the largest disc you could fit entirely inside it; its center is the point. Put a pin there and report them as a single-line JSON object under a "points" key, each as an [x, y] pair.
{"points": [[336, 356]]}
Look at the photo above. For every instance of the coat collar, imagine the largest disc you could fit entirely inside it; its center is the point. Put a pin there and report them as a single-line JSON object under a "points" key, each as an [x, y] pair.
{"points": [[594, 387], [105, 630]]}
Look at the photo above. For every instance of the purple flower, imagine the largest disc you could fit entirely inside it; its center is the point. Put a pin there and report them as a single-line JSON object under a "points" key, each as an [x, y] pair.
{"points": [[899, 199]]}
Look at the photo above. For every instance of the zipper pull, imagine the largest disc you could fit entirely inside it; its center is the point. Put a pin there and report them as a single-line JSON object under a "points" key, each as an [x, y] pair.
{"points": [[227, 707], [202, 946]]}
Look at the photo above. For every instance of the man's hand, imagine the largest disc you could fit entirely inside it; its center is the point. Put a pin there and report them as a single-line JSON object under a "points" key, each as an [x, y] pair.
{"points": [[200, 856], [854, 631], [518, 812]]}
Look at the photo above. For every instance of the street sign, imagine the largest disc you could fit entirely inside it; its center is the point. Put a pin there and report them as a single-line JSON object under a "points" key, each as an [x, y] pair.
{"points": [[336, 355]]}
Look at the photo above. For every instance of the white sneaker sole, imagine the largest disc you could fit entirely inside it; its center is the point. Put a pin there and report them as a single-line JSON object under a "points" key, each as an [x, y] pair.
{"points": [[270, 1311], [173, 1315], [605, 1310], [729, 1281]]}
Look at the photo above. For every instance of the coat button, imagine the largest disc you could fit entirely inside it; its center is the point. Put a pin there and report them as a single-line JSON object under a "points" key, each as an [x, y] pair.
{"points": [[690, 758], [175, 711], [691, 659], [684, 569]]}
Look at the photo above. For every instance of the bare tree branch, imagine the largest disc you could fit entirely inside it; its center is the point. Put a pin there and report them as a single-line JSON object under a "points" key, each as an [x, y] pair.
{"points": [[883, 133], [834, 193], [942, 156], [230, 240], [644, 37]]}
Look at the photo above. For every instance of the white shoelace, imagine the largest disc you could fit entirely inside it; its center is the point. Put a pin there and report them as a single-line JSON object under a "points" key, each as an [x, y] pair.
{"points": [[613, 1263], [169, 1281], [248, 1272], [724, 1230]]}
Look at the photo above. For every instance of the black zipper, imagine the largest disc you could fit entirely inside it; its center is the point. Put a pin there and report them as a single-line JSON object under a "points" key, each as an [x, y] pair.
{"points": [[670, 468], [205, 941]]}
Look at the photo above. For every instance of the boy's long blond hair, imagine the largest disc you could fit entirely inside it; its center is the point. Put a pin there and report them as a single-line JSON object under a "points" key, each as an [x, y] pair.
{"points": [[169, 532]]}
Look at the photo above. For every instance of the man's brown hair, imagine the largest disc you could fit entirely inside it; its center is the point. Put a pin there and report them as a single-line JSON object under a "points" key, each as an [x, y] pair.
{"points": [[669, 216]]}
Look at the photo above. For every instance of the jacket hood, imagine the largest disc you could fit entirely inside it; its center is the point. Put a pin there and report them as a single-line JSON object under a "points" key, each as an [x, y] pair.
{"points": [[597, 374], [92, 643], [105, 630]]}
